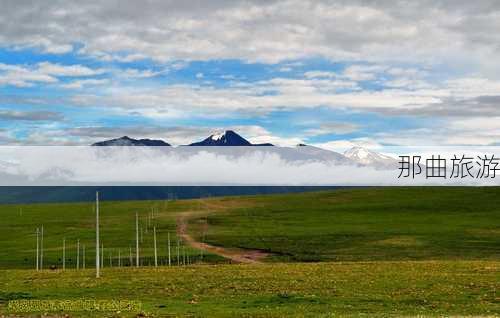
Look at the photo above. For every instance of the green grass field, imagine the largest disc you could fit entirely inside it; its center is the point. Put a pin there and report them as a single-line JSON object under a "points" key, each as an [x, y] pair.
{"points": [[76, 221], [359, 252], [364, 224], [379, 289]]}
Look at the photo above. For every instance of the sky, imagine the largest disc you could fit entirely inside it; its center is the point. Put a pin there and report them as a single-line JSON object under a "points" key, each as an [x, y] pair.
{"points": [[325, 73]]}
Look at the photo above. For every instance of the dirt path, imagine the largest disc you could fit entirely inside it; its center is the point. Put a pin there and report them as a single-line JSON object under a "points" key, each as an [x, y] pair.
{"points": [[235, 255]]}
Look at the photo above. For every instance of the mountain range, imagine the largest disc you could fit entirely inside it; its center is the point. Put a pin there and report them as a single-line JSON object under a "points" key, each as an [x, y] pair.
{"points": [[226, 138], [355, 155]]}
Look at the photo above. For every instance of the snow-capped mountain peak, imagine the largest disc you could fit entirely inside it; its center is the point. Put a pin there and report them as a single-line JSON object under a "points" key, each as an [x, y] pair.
{"points": [[226, 138], [360, 153], [218, 136], [369, 157]]}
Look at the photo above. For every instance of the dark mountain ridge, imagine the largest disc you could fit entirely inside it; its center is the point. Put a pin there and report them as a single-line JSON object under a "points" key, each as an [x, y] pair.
{"points": [[227, 138], [127, 141]]}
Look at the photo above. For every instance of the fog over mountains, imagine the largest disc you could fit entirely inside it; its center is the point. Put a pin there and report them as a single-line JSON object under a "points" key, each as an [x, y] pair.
{"points": [[200, 162], [301, 165], [229, 138]]}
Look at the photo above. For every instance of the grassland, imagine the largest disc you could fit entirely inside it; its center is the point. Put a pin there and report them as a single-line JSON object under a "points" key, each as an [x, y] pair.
{"points": [[373, 289], [362, 225], [76, 221], [363, 252]]}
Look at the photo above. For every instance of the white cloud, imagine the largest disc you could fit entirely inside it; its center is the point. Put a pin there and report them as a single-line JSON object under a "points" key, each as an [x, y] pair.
{"points": [[44, 72], [78, 84], [448, 31], [395, 77], [67, 70], [30, 115], [255, 98], [181, 166], [345, 144], [6, 137], [477, 131], [228, 77], [470, 96], [22, 77], [132, 73], [363, 72], [320, 74], [106, 57], [276, 140], [473, 86], [45, 44], [395, 46], [339, 128], [477, 123]]}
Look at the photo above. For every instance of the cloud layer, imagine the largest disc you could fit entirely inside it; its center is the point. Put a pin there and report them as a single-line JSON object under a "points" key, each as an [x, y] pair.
{"points": [[267, 31], [64, 166], [321, 72]]}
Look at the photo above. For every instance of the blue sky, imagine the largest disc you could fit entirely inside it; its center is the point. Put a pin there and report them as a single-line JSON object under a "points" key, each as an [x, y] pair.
{"points": [[329, 74]]}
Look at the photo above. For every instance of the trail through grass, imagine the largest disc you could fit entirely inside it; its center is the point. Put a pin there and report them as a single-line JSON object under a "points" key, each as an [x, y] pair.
{"points": [[361, 224]]}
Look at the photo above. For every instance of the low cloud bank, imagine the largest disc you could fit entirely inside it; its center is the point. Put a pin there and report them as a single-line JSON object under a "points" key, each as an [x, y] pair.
{"points": [[65, 166]]}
